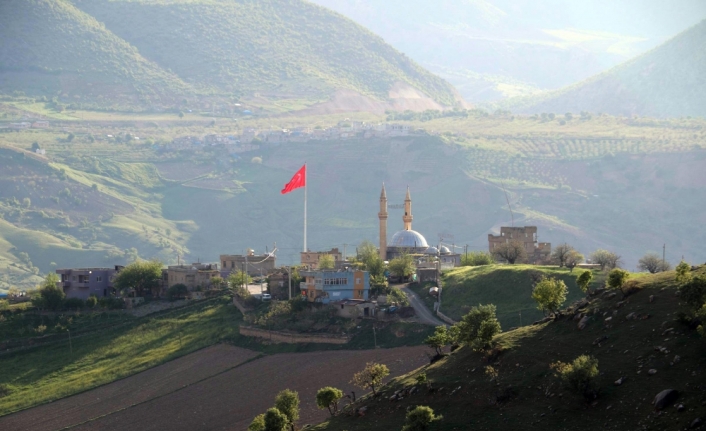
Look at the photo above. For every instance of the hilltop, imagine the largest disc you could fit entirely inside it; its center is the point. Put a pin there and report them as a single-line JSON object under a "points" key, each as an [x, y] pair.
{"points": [[167, 54], [664, 82], [628, 337]]}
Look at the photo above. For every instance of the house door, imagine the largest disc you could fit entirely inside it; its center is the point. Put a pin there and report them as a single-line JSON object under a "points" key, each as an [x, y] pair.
{"points": [[366, 311]]}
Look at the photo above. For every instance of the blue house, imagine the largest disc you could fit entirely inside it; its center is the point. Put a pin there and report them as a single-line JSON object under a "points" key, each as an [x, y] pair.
{"points": [[328, 285]]}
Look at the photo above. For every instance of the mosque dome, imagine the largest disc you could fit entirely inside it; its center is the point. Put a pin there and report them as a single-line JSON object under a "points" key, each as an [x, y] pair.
{"points": [[431, 250], [444, 250], [408, 239]]}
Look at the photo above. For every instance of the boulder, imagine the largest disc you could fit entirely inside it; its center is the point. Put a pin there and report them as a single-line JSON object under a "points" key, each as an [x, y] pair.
{"points": [[665, 398], [652, 372], [652, 299], [611, 295], [696, 423], [583, 322], [681, 408], [619, 381]]}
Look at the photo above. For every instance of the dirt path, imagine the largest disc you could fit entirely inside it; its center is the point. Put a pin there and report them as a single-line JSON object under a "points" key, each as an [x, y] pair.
{"points": [[425, 316], [210, 391]]}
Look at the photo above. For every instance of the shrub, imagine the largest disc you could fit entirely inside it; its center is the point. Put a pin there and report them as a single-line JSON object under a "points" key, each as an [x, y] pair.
{"points": [[617, 278], [419, 419], [693, 292], [371, 377], [478, 327], [49, 295], [74, 304], [178, 291], [111, 303], [92, 301], [579, 375], [4, 304], [327, 398], [257, 424], [477, 258], [550, 294], [584, 280], [682, 272]]}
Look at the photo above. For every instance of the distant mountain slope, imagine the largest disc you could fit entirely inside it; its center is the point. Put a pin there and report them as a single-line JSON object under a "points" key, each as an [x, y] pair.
{"points": [[158, 52], [50, 46], [668, 81]]}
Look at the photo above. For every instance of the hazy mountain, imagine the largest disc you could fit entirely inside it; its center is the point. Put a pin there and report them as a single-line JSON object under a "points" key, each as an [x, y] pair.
{"points": [[491, 49], [286, 49], [667, 81]]}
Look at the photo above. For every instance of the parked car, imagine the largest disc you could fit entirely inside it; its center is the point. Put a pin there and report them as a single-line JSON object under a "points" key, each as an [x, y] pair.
{"points": [[266, 297]]}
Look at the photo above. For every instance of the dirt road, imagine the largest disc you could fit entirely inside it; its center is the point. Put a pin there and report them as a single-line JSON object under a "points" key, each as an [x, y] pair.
{"points": [[425, 316]]}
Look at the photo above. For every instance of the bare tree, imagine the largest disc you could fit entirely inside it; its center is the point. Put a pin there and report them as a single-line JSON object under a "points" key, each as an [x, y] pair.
{"points": [[560, 254], [653, 263], [572, 259], [606, 259], [512, 251]]}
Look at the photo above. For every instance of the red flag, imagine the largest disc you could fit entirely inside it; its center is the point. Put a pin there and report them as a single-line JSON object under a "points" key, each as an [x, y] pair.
{"points": [[298, 180]]}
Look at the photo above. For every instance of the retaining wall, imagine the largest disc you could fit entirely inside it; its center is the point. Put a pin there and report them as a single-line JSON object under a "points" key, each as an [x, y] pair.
{"points": [[292, 338]]}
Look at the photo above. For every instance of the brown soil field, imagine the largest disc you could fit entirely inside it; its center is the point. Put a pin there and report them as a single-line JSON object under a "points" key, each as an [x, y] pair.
{"points": [[218, 400], [148, 385]]}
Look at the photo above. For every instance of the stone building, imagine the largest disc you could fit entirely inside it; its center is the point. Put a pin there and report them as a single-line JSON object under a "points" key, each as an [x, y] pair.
{"points": [[310, 259], [253, 264], [192, 276], [537, 252]]}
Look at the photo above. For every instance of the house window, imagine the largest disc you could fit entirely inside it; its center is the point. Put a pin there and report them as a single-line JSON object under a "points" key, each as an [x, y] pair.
{"points": [[99, 278]]}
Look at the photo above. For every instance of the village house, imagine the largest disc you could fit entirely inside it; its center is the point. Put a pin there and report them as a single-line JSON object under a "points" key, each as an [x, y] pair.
{"points": [[537, 252], [354, 308], [83, 282], [253, 264], [327, 286], [194, 276], [311, 259]]}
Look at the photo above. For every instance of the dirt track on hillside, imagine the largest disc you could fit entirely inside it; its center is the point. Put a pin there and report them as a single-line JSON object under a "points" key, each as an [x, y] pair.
{"points": [[203, 391]]}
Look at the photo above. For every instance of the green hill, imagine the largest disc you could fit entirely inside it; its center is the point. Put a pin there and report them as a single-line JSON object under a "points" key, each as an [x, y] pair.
{"points": [[664, 82], [643, 333], [51, 47], [146, 53]]}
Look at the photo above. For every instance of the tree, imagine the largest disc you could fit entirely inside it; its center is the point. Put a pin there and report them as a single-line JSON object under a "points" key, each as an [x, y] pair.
{"points": [[35, 146], [439, 339], [419, 419], [327, 398], [371, 377], [140, 275], [513, 251], [477, 258], [402, 266], [652, 263], [550, 294], [573, 259], [683, 272], [275, 420], [560, 253], [326, 261], [257, 424], [287, 402], [369, 256], [181, 114], [70, 137], [217, 282], [617, 278], [177, 291], [478, 327], [49, 295], [579, 374], [605, 259], [693, 292], [583, 280], [238, 282]]}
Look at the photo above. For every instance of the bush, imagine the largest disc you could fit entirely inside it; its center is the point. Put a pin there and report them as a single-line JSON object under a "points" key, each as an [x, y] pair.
{"points": [[478, 327], [419, 419], [111, 303], [92, 301], [550, 294], [694, 292], [74, 304], [477, 258], [682, 272], [178, 291], [617, 279], [579, 375], [4, 304], [584, 280], [327, 398]]}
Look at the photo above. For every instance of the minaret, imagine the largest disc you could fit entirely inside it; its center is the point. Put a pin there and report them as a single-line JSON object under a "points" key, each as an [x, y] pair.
{"points": [[407, 217], [382, 215]]}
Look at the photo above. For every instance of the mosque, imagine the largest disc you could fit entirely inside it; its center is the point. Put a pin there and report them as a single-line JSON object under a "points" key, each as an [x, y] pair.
{"points": [[404, 241]]}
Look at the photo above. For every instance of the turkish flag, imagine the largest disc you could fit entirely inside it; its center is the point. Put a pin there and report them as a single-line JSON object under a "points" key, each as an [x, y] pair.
{"points": [[298, 180]]}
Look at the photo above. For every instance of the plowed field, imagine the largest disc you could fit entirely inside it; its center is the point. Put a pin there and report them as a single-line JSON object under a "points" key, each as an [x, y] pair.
{"points": [[212, 389]]}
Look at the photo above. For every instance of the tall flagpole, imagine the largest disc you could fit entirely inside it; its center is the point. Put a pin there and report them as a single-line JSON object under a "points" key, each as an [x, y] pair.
{"points": [[306, 185]]}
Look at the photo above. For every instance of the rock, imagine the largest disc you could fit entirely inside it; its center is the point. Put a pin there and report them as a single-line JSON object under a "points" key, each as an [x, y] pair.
{"points": [[611, 295], [608, 319], [600, 339], [361, 410], [696, 423], [578, 316], [619, 381], [676, 359], [620, 304], [665, 398], [681, 408], [652, 372], [583, 322], [413, 390], [667, 331], [652, 299], [630, 316]]}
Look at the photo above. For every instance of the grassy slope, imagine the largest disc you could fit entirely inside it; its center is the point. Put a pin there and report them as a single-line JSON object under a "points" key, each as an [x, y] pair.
{"points": [[665, 82], [109, 347], [541, 401], [509, 287], [51, 45]]}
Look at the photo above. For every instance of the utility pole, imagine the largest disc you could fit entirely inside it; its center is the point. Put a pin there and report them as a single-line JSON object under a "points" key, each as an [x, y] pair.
{"points": [[664, 253], [289, 272], [71, 347], [344, 252]]}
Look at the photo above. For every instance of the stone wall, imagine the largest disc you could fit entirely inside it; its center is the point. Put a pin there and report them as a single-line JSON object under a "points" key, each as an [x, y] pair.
{"points": [[292, 338], [445, 318]]}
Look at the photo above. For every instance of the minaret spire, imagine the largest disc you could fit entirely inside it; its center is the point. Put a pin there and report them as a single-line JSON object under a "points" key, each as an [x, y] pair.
{"points": [[407, 217], [382, 216]]}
